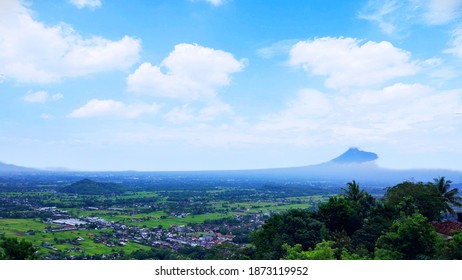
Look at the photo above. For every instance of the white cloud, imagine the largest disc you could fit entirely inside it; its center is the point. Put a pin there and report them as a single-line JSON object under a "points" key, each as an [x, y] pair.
{"points": [[394, 115], [275, 49], [456, 43], [46, 116], [216, 2], [180, 114], [41, 97], [32, 52], [438, 12], [305, 112], [313, 117], [56, 97], [113, 109], [36, 97], [213, 111], [92, 4], [212, 2], [192, 72], [395, 17], [346, 62], [187, 113], [383, 13]]}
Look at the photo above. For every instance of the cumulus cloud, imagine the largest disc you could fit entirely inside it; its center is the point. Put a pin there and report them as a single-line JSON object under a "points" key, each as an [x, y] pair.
{"points": [[190, 72], [347, 62], [91, 4], [366, 115], [32, 52], [41, 97], [113, 109]]}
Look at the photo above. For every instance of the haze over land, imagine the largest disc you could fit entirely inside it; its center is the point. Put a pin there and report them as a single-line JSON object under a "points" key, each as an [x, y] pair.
{"points": [[229, 85], [354, 164]]}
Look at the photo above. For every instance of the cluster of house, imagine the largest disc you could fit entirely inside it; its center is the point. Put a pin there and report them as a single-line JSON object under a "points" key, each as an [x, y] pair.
{"points": [[178, 236], [57, 213], [175, 237]]}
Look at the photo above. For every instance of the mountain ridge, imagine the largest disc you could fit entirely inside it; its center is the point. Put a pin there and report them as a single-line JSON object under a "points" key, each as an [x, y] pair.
{"points": [[6, 167], [354, 164]]}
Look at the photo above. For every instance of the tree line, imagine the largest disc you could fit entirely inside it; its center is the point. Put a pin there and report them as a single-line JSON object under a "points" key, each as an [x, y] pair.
{"points": [[355, 225]]}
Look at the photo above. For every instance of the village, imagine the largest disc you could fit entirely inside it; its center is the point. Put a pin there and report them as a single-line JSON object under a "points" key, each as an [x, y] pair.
{"points": [[118, 235]]}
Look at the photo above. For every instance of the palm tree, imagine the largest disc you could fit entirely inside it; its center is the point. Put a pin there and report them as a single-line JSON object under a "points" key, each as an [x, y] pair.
{"points": [[353, 192], [448, 196]]}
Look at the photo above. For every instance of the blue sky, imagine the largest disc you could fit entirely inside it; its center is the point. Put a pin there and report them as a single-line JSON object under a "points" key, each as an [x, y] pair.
{"points": [[229, 84]]}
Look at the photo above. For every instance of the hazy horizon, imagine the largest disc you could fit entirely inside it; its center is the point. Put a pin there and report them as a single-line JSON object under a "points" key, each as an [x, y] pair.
{"points": [[194, 85], [327, 167]]}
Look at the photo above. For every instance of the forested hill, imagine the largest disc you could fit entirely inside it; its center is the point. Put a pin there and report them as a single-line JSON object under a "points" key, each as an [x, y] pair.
{"points": [[89, 187]]}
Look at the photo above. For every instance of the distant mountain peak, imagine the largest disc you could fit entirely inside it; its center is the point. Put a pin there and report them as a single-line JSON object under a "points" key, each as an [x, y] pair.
{"points": [[11, 168], [355, 155]]}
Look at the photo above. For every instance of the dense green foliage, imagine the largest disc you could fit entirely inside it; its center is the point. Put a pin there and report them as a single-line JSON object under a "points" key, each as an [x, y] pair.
{"points": [[339, 215], [293, 227], [410, 197], [355, 225], [220, 252], [410, 238], [322, 251], [454, 248], [13, 249]]}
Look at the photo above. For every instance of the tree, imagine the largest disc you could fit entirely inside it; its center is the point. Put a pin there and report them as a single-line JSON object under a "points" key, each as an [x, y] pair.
{"points": [[295, 226], [13, 249], [225, 252], [322, 251], [447, 195], [362, 201], [409, 197], [450, 249], [353, 192], [455, 247], [410, 238], [379, 221], [3, 254], [339, 214]]}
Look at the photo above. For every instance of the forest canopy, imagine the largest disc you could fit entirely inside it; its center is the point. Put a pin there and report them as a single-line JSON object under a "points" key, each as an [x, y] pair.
{"points": [[355, 225]]}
